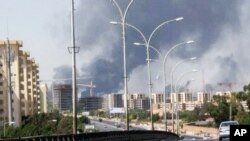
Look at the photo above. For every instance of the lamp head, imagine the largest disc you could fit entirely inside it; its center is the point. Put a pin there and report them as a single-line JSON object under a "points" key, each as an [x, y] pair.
{"points": [[113, 22], [179, 19], [137, 44], [193, 58], [189, 42]]}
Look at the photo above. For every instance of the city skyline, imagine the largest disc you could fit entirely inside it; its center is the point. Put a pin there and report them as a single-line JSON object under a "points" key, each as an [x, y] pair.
{"points": [[220, 32]]}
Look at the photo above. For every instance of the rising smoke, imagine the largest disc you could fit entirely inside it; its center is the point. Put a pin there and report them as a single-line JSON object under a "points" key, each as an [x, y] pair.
{"points": [[219, 28]]}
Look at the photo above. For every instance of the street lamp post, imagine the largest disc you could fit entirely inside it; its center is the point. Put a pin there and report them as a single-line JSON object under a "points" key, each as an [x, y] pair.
{"points": [[177, 101], [73, 51], [147, 44], [123, 19], [164, 77], [171, 74]]}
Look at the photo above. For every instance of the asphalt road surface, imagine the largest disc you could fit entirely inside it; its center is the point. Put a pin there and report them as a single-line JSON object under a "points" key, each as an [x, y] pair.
{"points": [[105, 126]]}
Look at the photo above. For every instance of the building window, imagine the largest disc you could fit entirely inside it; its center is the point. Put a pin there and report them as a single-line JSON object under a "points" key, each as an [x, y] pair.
{"points": [[1, 92], [1, 83]]}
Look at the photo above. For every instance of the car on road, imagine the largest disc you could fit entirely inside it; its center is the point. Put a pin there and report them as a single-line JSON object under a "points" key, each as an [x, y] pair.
{"points": [[224, 129], [118, 125]]}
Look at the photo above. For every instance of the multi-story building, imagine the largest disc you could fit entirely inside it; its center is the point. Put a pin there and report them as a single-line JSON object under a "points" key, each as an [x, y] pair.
{"points": [[138, 101], [62, 97], [157, 98], [203, 97], [90, 103], [182, 97], [111, 101], [227, 93], [22, 71], [43, 108]]}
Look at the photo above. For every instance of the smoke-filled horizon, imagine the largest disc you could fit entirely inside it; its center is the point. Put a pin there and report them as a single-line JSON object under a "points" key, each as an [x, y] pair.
{"points": [[220, 31]]}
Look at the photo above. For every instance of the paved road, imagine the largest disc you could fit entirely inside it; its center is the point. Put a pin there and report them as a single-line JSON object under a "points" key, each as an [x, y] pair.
{"points": [[102, 126], [110, 126], [196, 138], [113, 127]]}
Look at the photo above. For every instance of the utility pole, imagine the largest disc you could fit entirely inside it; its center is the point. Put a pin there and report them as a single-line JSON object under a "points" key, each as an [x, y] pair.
{"points": [[73, 50]]}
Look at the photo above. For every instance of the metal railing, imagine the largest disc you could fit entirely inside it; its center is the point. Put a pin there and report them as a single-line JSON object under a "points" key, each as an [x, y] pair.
{"points": [[105, 136]]}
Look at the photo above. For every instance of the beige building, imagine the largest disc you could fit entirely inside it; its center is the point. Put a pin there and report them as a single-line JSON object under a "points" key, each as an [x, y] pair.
{"points": [[112, 100], [203, 97], [24, 82], [227, 93], [182, 97], [138, 101], [157, 98], [43, 108]]}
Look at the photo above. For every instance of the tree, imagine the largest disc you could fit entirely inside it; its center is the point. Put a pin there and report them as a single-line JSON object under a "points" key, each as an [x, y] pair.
{"points": [[245, 95], [243, 117], [45, 124], [219, 109], [156, 117]]}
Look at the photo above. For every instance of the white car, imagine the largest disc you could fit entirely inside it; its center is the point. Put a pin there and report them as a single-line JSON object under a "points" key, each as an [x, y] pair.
{"points": [[224, 129]]}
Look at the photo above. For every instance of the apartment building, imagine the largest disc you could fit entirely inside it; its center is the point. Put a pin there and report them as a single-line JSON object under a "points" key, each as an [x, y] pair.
{"points": [[203, 97], [24, 75], [138, 101], [182, 97], [227, 93], [157, 98], [112, 100], [90, 103], [62, 97], [43, 108]]}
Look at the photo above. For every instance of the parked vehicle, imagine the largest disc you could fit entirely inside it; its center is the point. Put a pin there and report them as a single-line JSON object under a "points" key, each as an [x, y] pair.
{"points": [[224, 129]]}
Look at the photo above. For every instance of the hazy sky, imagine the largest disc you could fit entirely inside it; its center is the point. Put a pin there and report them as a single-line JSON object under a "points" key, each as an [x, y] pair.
{"points": [[220, 29]]}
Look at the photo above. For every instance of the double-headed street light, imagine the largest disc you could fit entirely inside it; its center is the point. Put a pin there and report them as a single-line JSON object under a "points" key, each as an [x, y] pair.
{"points": [[147, 44], [164, 75], [177, 93], [171, 89], [123, 19]]}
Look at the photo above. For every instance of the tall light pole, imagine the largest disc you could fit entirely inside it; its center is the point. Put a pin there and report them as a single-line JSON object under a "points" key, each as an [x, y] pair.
{"points": [[123, 19], [164, 78], [171, 91], [149, 73], [164, 75], [147, 44], [177, 101], [73, 51]]}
